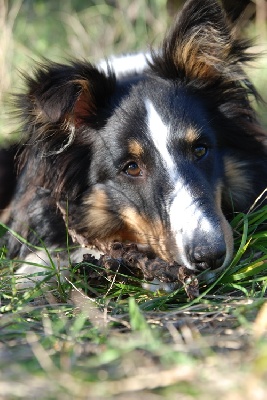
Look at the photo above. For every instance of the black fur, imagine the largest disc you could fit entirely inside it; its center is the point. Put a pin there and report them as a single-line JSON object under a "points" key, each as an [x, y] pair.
{"points": [[89, 162], [7, 176]]}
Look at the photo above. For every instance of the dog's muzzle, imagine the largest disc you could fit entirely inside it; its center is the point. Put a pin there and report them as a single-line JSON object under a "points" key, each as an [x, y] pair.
{"points": [[201, 236]]}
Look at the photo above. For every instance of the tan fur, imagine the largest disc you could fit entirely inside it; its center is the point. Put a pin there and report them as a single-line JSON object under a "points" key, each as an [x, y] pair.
{"points": [[205, 54], [85, 104], [5, 215], [99, 220], [238, 182], [151, 233], [135, 148], [126, 225], [191, 135], [226, 228]]}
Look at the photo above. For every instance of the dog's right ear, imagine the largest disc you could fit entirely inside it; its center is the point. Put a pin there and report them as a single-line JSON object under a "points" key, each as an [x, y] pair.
{"points": [[201, 47], [64, 95]]}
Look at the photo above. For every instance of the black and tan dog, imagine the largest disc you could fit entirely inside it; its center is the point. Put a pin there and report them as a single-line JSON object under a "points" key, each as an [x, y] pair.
{"points": [[161, 153]]}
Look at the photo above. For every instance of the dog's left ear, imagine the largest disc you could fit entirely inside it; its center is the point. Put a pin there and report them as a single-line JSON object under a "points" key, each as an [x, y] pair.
{"points": [[62, 95], [200, 46]]}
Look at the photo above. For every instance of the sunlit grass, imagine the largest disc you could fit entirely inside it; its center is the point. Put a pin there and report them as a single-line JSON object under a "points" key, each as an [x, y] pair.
{"points": [[247, 274], [79, 341]]}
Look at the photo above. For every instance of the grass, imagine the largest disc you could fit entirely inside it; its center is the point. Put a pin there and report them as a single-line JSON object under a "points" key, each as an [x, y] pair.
{"points": [[120, 341]]}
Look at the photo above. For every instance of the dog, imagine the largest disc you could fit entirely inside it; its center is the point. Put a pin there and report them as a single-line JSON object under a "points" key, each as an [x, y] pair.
{"points": [[158, 149]]}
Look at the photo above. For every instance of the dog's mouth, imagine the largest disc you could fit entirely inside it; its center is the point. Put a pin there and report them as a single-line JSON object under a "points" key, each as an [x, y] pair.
{"points": [[120, 262], [150, 259], [196, 250]]}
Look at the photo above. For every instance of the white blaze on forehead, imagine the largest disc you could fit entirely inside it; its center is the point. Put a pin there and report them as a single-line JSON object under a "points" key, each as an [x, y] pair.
{"points": [[186, 216], [159, 133]]}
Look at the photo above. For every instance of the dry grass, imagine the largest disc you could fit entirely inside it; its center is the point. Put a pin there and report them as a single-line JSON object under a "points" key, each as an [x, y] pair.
{"points": [[189, 354]]}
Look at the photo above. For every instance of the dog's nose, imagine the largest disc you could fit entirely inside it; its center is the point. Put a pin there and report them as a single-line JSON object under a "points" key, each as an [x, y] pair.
{"points": [[208, 257]]}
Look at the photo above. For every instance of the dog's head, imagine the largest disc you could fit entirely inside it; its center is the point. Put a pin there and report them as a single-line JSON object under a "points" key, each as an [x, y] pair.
{"points": [[158, 158]]}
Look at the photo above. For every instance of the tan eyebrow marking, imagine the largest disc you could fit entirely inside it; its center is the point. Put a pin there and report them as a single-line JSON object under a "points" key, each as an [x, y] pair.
{"points": [[191, 135], [135, 148]]}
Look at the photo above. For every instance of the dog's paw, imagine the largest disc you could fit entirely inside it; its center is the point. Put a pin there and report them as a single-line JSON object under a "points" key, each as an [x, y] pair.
{"points": [[49, 269]]}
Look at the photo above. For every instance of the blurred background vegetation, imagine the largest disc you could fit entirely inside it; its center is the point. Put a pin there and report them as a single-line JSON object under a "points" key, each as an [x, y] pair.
{"points": [[31, 30]]}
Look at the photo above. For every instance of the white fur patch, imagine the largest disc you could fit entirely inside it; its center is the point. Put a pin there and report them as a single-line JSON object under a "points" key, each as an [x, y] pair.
{"points": [[186, 217], [38, 265], [155, 285], [127, 64], [159, 132]]}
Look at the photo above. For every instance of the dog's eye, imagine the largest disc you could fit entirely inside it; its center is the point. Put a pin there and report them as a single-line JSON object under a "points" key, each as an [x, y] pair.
{"points": [[200, 151], [133, 169]]}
